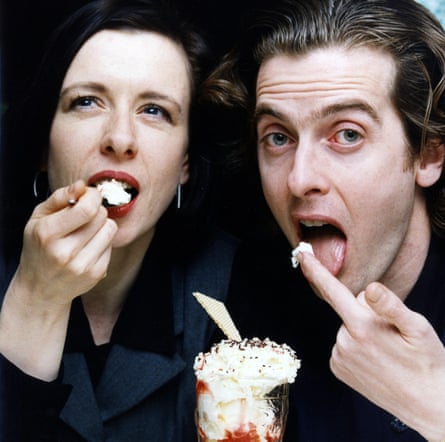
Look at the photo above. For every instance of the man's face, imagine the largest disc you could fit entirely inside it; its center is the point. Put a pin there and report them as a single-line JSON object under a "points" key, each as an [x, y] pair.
{"points": [[334, 163]]}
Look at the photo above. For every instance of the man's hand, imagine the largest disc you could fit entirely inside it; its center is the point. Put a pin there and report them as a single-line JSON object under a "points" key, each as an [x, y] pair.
{"points": [[385, 351]]}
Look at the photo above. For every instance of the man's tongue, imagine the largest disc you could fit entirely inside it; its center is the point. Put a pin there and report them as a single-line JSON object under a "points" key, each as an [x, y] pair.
{"points": [[329, 246]]}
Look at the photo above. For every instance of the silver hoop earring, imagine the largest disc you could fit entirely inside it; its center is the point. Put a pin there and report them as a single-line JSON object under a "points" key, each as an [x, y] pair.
{"points": [[178, 196], [40, 186], [34, 186]]}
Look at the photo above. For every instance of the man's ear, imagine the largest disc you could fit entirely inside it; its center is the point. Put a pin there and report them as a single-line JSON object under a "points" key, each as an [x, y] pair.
{"points": [[185, 170], [431, 162]]}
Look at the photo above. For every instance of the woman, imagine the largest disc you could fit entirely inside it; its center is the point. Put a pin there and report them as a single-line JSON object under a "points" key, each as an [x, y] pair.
{"points": [[98, 326]]}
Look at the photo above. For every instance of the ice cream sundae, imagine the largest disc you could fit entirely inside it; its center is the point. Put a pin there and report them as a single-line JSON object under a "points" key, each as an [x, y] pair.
{"points": [[242, 390]]}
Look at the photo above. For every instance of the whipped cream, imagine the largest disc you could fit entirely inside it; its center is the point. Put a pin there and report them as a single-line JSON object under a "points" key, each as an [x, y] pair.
{"points": [[302, 247], [113, 192], [234, 380]]}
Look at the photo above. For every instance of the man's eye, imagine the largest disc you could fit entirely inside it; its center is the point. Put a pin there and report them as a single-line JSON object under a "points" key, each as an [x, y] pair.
{"points": [[347, 136], [277, 139]]}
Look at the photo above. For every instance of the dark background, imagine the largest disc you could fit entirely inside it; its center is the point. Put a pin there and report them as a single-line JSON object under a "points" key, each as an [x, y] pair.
{"points": [[25, 27], [26, 24]]}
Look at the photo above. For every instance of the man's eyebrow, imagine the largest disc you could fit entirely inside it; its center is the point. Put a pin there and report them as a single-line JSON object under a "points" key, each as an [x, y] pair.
{"points": [[266, 110], [327, 111], [359, 105]]}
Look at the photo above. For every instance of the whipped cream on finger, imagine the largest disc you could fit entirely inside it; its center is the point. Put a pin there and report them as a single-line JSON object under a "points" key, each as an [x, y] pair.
{"points": [[302, 247]]}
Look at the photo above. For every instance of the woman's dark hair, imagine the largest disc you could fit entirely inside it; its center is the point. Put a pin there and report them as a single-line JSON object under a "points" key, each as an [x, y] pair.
{"points": [[403, 28], [29, 122]]}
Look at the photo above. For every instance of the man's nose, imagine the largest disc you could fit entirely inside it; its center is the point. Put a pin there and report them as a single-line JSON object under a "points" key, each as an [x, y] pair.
{"points": [[308, 173]]}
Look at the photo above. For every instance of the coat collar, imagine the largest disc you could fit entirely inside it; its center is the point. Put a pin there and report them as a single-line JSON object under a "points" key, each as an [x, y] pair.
{"points": [[129, 377]]}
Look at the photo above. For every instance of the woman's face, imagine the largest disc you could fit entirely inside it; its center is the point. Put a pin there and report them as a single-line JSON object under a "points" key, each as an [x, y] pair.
{"points": [[123, 114]]}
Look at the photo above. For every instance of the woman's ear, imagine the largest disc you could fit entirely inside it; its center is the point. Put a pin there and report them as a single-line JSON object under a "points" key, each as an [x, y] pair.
{"points": [[185, 170], [431, 162]]}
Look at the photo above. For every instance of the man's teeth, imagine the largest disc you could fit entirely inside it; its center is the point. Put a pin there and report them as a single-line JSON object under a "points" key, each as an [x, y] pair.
{"points": [[312, 223]]}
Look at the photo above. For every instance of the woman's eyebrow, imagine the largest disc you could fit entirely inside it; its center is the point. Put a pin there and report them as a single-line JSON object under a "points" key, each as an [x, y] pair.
{"points": [[84, 84], [153, 95], [98, 87]]}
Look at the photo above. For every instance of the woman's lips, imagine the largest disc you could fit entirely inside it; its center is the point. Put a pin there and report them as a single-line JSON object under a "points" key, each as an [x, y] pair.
{"points": [[128, 184], [116, 175], [121, 211]]}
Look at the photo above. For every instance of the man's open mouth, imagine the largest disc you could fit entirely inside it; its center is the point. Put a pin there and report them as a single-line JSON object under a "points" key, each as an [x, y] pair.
{"points": [[327, 241]]}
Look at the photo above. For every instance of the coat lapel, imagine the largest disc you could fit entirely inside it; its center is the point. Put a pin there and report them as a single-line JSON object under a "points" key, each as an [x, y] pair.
{"points": [[129, 377], [81, 411]]}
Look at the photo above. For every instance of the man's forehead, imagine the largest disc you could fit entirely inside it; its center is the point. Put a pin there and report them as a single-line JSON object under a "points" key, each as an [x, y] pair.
{"points": [[330, 75]]}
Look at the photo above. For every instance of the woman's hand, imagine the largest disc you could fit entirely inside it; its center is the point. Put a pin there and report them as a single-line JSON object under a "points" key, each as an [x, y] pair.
{"points": [[66, 252], [385, 351], [66, 247]]}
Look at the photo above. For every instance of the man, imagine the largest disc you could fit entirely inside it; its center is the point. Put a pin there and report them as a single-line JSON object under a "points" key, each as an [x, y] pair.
{"points": [[348, 104]]}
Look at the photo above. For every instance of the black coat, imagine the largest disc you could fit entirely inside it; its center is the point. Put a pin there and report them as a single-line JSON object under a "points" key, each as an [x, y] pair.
{"points": [[141, 396], [268, 298]]}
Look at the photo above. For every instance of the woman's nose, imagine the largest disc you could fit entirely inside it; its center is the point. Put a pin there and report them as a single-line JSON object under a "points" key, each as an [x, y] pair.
{"points": [[308, 173], [119, 137]]}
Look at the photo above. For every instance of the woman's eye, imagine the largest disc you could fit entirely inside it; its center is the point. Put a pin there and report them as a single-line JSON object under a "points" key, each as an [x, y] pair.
{"points": [[82, 102], [156, 111], [347, 136], [277, 139]]}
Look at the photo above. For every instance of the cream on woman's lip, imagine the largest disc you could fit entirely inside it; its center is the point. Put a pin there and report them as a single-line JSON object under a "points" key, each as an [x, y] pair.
{"points": [[114, 193], [119, 191]]}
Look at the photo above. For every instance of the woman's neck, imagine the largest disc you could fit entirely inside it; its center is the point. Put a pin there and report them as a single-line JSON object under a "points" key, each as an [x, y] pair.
{"points": [[104, 302]]}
